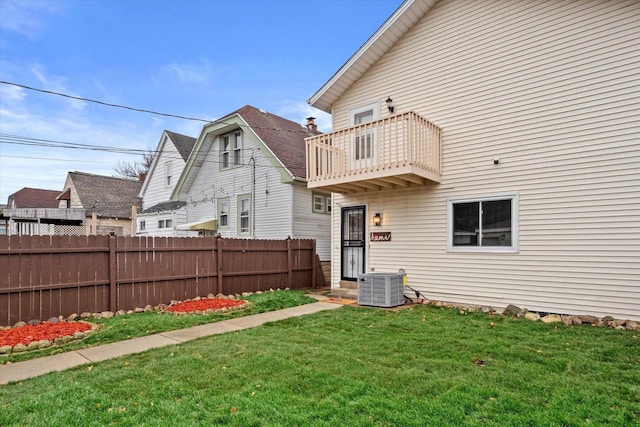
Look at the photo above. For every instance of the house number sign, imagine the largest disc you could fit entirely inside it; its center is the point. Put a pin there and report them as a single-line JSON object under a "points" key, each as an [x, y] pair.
{"points": [[377, 236]]}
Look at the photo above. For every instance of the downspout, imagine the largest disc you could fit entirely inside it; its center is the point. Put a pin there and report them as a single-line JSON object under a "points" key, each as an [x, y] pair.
{"points": [[252, 161]]}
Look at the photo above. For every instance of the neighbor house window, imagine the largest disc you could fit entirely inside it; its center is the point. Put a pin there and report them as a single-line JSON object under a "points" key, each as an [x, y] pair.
{"points": [[321, 203], [488, 224], [143, 225], [225, 145], [165, 223], [167, 175], [231, 150], [223, 213], [237, 149], [244, 215]]}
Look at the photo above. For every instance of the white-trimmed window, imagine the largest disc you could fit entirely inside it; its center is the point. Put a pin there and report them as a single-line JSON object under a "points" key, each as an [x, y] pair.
{"points": [[237, 149], [143, 226], [321, 203], [225, 146], [483, 224], [231, 150], [244, 215], [223, 213], [364, 145], [168, 176], [165, 223]]}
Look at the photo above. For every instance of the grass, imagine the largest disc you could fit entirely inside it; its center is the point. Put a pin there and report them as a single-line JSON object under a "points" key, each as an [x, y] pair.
{"points": [[140, 324], [420, 366]]}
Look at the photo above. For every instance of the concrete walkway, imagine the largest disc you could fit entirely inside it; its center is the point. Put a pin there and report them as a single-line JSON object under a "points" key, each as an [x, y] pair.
{"points": [[59, 362]]}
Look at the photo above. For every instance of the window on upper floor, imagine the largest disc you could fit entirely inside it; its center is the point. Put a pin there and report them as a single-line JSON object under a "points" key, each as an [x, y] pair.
{"points": [[364, 142], [237, 149], [321, 203], [167, 175], [231, 150], [223, 213], [142, 226], [485, 224]]}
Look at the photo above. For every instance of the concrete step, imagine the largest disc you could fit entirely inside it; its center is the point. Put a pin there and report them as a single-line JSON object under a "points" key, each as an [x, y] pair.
{"points": [[343, 293]]}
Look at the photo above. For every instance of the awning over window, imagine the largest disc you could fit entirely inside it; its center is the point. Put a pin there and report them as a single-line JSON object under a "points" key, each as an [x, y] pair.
{"points": [[203, 224]]}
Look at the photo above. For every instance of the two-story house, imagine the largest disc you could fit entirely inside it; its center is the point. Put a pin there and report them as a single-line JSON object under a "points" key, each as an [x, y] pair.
{"points": [[160, 215], [245, 178], [491, 150]]}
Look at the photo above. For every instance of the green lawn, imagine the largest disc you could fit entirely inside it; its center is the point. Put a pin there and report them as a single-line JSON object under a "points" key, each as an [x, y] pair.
{"points": [[140, 324], [418, 366]]}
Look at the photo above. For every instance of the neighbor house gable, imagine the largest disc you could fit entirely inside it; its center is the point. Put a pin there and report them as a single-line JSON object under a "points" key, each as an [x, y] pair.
{"points": [[173, 147], [108, 196], [279, 139]]}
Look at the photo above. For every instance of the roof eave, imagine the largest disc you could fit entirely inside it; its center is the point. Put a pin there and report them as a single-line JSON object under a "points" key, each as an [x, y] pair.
{"points": [[393, 29]]}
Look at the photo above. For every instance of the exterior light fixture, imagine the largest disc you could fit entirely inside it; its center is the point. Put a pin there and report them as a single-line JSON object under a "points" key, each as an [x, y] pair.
{"points": [[377, 219], [390, 106]]}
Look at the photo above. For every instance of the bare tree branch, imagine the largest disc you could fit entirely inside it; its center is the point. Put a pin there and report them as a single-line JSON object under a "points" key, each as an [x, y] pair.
{"points": [[133, 170]]}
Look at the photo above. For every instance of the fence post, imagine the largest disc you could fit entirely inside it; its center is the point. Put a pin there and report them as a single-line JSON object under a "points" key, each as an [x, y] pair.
{"points": [[112, 273], [289, 264], [314, 264], [218, 249]]}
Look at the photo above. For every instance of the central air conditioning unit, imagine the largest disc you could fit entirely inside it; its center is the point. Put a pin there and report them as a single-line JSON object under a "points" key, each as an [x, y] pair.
{"points": [[380, 289]]}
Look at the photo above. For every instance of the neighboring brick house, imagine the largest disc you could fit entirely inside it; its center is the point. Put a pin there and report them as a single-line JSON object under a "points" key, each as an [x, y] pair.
{"points": [[111, 203]]}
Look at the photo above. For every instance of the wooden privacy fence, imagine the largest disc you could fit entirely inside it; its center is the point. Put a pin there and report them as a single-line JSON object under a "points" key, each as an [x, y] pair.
{"points": [[46, 276]]}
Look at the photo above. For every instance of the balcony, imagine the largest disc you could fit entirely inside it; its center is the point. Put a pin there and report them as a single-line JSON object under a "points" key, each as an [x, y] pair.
{"points": [[45, 215], [399, 151]]}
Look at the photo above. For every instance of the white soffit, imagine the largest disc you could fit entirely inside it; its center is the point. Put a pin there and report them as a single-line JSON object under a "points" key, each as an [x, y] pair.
{"points": [[394, 28]]}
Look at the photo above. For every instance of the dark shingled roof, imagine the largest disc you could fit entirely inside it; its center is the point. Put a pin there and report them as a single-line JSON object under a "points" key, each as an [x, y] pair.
{"points": [[110, 197], [184, 144], [285, 138], [34, 198], [164, 206]]}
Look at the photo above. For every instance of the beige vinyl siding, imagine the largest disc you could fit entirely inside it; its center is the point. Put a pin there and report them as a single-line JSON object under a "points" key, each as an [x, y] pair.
{"points": [[552, 89]]}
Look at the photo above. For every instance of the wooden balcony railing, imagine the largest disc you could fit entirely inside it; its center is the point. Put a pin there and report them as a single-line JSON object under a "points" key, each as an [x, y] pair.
{"points": [[398, 151]]}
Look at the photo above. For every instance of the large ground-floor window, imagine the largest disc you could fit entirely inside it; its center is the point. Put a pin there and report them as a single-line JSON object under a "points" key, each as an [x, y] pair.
{"points": [[483, 224]]}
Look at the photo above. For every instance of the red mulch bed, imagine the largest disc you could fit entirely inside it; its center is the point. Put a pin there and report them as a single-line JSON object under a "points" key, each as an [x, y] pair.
{"points": [[44, 331], [205, 304]]}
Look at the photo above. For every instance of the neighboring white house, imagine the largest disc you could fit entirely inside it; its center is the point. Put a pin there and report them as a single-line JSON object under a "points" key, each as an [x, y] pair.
{"points": [[245, 178], [505, 166], [160, 216]]}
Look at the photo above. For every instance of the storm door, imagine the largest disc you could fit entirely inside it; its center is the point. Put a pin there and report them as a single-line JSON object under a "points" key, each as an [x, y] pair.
{"points": [[353, 242]]}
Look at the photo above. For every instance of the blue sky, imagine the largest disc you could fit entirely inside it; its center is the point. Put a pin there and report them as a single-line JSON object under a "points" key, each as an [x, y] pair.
{"points": [[193, 58]]}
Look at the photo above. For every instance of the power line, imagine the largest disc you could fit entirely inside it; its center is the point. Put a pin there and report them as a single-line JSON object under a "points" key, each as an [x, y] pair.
{"points": [[53, 159], [47, 143], [80, 98]]}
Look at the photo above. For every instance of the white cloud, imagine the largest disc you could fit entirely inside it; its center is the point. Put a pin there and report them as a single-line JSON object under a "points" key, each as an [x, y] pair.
{"points": [[191, 73], [7, 114], [299, 111], [12, 92], [23, 17]]}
